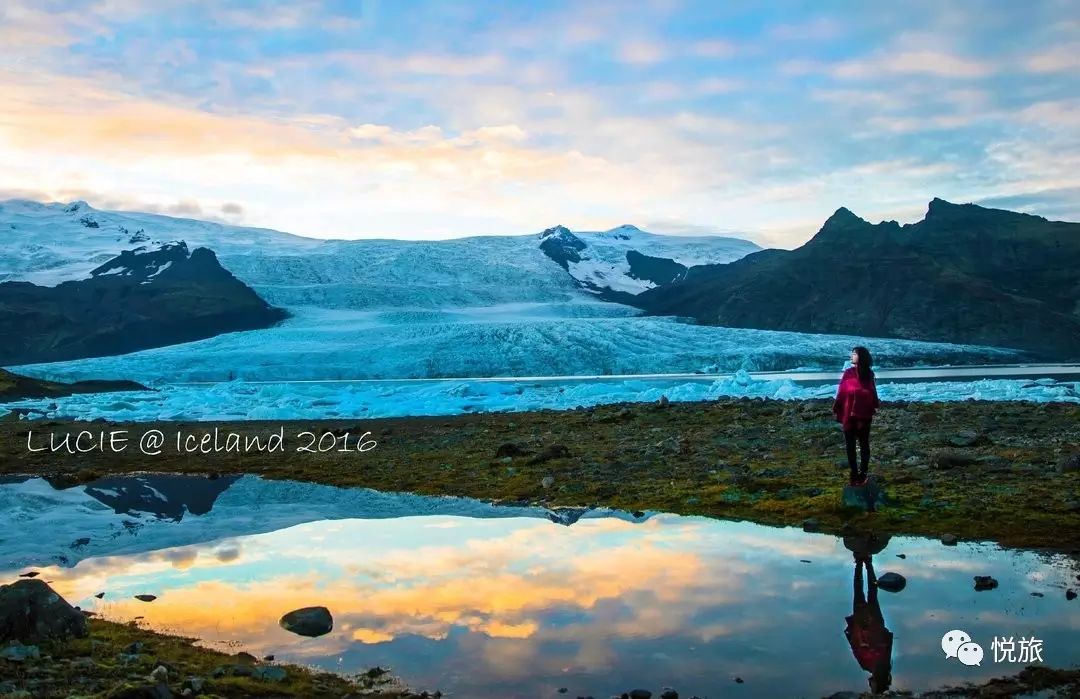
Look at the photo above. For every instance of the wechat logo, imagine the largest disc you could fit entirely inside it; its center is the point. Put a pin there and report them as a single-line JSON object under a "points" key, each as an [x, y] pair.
{"points": [[958, 644]]}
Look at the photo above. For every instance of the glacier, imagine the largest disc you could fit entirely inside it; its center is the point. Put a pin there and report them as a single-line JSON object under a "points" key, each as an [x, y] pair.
{"points": [[467, 309]]}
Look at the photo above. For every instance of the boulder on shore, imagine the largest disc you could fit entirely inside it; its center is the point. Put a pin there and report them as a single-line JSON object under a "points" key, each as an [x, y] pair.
{"points": [[868, 497], [31, 611]]}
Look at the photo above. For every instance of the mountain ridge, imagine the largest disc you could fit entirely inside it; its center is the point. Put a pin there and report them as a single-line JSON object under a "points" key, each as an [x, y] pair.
{"points": [[964, 273]]}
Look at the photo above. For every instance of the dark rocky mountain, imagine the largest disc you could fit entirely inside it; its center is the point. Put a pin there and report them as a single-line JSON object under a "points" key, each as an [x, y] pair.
{"points": [[963, 274], [137, 300], [658, 270]]}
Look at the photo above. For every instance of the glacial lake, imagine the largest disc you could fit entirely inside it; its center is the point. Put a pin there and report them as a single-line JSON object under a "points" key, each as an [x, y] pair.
{"points": [[497, 601]]}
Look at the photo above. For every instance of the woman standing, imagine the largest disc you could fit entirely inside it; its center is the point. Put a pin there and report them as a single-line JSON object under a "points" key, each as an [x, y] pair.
{"points": [[854, 407]]}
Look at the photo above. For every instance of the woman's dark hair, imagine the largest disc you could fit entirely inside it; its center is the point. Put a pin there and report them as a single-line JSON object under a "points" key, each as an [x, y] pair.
{"points": [[866, 362]]}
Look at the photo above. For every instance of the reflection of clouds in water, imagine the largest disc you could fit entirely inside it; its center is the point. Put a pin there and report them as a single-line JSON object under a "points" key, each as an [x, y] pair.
{"points": [[652, 586], [228, 554], [180, 558], [525, 598]]}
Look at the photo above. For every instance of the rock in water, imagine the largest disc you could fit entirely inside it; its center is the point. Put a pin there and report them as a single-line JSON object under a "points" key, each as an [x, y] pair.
{"points": [[985, 582], [30, 611], [868, 496], [892, 582], [949, 539], [309, 621]]}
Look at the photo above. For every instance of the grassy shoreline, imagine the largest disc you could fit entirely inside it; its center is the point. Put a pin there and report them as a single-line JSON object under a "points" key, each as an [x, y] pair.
{"points": [[117, 660], [997, 471]]}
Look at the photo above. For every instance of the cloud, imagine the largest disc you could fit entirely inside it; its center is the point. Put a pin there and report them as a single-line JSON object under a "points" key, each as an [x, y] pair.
{"points": [[641, 52], [935, 63], [715, 48], [1057, 59]]}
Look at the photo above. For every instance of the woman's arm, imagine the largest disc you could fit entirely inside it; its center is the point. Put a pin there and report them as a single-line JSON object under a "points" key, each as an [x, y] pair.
{"points": [[873, 388], [838, 402]]}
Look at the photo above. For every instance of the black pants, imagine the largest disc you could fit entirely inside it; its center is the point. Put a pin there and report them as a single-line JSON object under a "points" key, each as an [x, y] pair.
{"points": [[859, 431]]}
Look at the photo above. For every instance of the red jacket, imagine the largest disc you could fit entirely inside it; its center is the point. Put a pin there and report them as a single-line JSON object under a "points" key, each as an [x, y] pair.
{"points": [[855, 400]]}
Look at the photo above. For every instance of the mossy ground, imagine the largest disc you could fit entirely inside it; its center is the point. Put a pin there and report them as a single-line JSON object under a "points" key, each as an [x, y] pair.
{"points": [[101, 665], [771, 462]]}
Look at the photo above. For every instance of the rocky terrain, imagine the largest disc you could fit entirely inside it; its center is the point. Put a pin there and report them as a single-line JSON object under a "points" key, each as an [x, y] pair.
{"points": [[50, 649]]}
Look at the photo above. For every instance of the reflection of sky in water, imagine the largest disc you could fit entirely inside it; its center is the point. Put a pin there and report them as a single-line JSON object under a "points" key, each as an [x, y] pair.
{"points": [[522, 607]]}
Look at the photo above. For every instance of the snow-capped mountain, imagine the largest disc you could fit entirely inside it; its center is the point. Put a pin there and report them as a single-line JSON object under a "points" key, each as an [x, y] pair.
{"points": [[50, 243], [629, 260]]}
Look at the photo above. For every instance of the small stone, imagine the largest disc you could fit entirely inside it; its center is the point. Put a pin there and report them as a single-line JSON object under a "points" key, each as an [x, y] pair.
{"points": [[949, 539], [31, 574], [810, 525], [892, 582], [951, 458], [547, 482], [159, 674], [195, 684], [663, 402], [136, 647], [738, 680], [965, 438], [985, 582], [269, 673], [100, 595], [901, 555], [640, 694], [268, 658], [509, 449], [1070, 595], [668, 693], [1069, 464], [1036, 594], [146, 598]]}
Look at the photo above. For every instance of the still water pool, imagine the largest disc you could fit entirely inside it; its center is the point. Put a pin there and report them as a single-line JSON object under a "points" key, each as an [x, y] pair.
{"points": [[486, 601]]}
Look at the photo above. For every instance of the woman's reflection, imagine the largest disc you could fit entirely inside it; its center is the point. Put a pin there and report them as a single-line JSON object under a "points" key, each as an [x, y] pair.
{"points": [[871, 642]]}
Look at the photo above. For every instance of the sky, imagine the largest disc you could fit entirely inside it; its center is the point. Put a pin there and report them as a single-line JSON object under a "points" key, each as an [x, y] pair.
{"points": [[428, 120]]}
